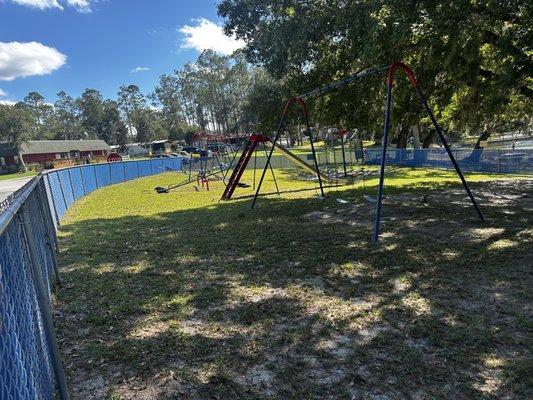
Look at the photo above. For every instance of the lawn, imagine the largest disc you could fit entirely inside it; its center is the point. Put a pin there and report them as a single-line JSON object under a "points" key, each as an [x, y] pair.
{"points": [[17, 175], [180, 296]]}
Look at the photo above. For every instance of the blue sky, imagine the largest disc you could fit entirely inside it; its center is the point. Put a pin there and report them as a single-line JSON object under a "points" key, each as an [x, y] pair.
{"points": [[52, 45]]}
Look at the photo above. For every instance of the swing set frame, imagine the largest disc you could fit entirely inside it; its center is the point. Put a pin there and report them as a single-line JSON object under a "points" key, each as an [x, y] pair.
{"points": [[391, 69]]}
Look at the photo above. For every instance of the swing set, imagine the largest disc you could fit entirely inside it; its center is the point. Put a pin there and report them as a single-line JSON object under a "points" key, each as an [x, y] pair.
{"points": [[254, 140]]}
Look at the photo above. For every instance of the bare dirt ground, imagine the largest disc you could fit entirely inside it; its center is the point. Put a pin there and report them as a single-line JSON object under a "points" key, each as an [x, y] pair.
{"points": [[305, 307]]}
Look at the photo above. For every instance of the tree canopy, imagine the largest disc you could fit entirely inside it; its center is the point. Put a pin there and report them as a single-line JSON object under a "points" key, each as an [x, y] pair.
{"points": [[473, 58]]}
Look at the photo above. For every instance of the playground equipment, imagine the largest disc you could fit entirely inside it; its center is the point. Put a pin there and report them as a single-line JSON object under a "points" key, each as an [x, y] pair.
{"points": [[391, 69], [202, 176], [250, 148]]}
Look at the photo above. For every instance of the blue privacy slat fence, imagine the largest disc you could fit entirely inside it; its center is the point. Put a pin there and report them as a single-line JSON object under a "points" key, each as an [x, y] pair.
{"points": [[30, 367], [517, 161]]}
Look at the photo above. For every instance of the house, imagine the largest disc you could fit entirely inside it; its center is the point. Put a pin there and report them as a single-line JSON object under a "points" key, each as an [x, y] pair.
{"points": [[53, 153], [137, 150], [161, 146], [9, 159]]}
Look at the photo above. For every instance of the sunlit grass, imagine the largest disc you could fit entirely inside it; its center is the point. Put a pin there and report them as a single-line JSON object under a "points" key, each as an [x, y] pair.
{"points": [[180, 294]]}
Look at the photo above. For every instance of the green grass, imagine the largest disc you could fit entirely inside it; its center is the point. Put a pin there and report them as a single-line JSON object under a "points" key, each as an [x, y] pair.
{"points": [[179, 295], [17, 175]]}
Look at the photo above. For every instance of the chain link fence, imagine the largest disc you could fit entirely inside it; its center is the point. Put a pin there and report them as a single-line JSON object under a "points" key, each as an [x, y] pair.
{"points": [[509, 161], [30, 364]]}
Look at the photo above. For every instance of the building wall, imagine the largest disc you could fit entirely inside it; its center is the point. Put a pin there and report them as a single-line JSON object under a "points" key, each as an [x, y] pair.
{"points": [[8, 164]]}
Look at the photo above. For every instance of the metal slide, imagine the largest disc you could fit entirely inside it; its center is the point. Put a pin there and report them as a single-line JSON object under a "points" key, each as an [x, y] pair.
{"points": [[294, 158]]}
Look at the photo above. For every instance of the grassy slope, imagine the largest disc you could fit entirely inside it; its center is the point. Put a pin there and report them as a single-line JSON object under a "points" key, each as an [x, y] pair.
{"points": [[178, 296]]}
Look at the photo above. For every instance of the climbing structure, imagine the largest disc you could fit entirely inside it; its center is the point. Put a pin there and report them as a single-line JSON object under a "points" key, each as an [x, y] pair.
{"points": [[246, 154], [251, 145]]}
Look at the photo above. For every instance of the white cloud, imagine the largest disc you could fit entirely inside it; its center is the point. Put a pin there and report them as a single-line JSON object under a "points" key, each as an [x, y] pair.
{"points": [[2, 93], [83, 6], [8, 102], [40, 4], [207, 35], [18, 60], [139, 69]]}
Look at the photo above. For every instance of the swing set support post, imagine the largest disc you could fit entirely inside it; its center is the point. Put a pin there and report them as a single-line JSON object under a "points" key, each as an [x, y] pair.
{"points": [[281, 126], [390, 78]]}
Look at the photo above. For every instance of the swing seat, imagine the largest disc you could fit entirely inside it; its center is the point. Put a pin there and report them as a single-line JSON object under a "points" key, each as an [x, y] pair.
{"points": [[372, 199], [160, 189], [243, 185]]}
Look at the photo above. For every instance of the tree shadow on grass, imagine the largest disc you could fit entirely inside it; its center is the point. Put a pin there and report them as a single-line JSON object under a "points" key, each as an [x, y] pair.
{"points": [[291, 300]]}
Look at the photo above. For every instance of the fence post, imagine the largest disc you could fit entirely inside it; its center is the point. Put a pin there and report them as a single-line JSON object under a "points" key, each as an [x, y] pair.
{"points": [[51, 238], [44, 305], [54, 204], [62, 191], [83, 180], [95, 176], [71, 185]]}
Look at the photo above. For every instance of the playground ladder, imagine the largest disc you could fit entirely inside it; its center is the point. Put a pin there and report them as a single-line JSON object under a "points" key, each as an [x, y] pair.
{"points": [[241, 165]]}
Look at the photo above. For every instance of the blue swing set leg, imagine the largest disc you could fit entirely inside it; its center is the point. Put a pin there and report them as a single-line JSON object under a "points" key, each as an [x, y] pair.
{"points": [[388, 105]]}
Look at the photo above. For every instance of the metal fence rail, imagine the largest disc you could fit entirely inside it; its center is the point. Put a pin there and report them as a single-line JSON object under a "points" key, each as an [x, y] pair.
{"points": [[30, 365]]}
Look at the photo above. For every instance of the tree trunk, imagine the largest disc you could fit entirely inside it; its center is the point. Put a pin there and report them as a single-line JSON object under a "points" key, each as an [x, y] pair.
{"points": [[22, 163], [483, 137], [416, 137], [429, 139]]}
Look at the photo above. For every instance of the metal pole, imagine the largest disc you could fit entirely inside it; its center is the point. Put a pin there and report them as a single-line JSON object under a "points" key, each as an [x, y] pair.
{"points": [[255, 165], [44, 305], [343, 157], [388, 104], [278, 133], [450, 154], [271, 170], [96, 176], [62, 191], [71, 185], [49, 230], [306, 117], [82, 180], [276, 138], [53, 203]]}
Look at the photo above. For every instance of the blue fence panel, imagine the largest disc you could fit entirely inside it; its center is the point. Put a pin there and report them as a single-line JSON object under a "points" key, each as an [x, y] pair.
{"points": [[89, 178], [176, 164], [57, 194], [131, 170], [66, 188], [145, 168], [103, 176], [519, 161], [157, 166], [50, 199], [168, 164], [64, 179], [117, 172], [77, 182], [25, 369]]}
